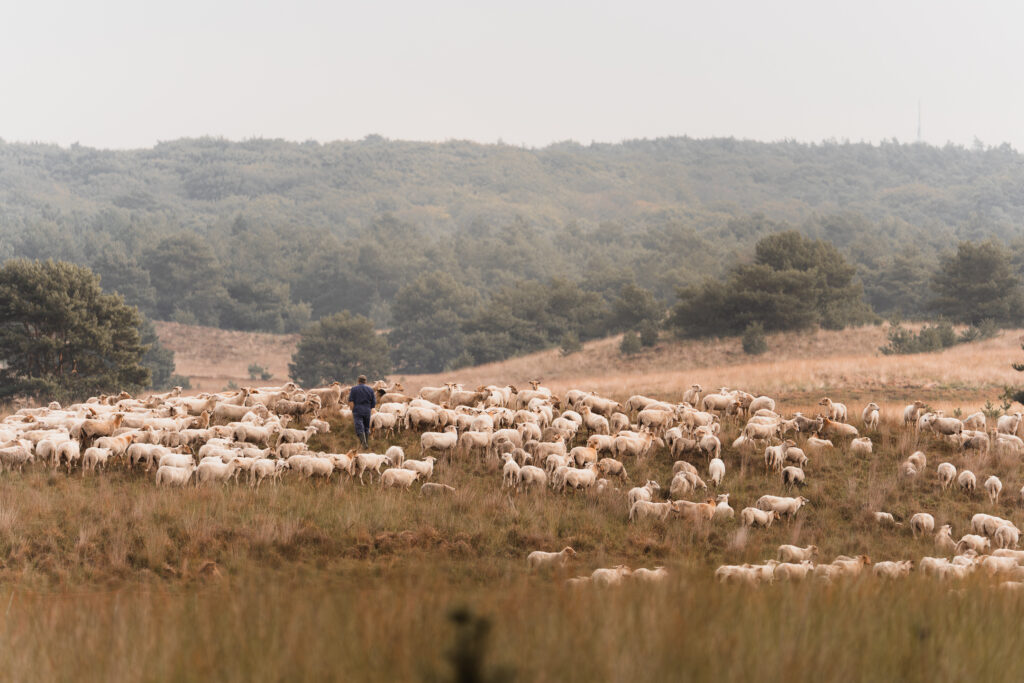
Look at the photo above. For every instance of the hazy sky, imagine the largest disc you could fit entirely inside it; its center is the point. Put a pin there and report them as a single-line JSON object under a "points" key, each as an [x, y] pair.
{"points": [[130, 73]]}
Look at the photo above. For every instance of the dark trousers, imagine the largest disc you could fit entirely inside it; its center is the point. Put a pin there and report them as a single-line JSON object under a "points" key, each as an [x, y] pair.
{"points": [[362, 421]]}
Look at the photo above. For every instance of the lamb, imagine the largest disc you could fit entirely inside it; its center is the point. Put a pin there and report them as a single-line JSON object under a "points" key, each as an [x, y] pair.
{"points": [[263, 468], [792, 553], [610, 577], [433, 489], [834, 411], [213, 471], [978, 544], [751, 517], [922, 523], [783, 507], [993, 487], [793, 476], [398, 477], [539, 559], [642, 509], [716, 471], [174, 476], [947, 473], [722, 508], [870, 416], [510, 472], [967, 481], [95, 457], [861, 446], [792, 571], [655, 575], [444, 442], [530, 476], [893, 570], [369, 462], [645, 492], [944, 539]]}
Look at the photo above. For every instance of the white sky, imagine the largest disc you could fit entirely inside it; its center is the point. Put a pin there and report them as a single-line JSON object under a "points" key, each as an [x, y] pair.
{"points": [[127, 74]]}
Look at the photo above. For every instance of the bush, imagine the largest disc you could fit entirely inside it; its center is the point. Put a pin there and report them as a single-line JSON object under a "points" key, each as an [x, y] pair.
{"points": [[630, 344], [339, 348], [986, 329], [649, 333], [257, 371], [931, 338], [570, 344], [180, 381], [754, 341]]}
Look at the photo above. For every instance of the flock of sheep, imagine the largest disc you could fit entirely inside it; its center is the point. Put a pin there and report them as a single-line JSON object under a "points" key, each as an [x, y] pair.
{"points": [[579, 441]]}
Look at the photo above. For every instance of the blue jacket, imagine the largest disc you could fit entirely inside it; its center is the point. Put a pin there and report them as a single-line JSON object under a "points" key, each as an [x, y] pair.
{"points": [[363, 397]]}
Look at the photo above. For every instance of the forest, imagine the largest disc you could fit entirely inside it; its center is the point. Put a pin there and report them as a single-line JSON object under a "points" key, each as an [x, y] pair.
{"points": [[472, 252]]}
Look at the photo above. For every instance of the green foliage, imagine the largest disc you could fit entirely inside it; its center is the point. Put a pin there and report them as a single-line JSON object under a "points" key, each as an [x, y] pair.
{"points": [[930, 338], [428, 315], [649, 333], [570, 344], [986, 329], [630, 344], [339, 348], [754, 341], [993, 411], [794, 283], [157, 358], [977, 283], [257, 371], [179, 381], [62, 338]]}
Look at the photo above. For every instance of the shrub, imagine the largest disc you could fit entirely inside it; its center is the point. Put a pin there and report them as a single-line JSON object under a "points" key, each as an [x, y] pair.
{"points": [[754, 341], [630, 344], [182, 381], [931, 338], [570, 344], [257, 371], [649, 333]]}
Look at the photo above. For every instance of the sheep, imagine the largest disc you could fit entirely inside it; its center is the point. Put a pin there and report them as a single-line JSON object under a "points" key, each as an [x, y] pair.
{"points": [[794, 455], [695, 512], [95, 457], [510, 472], [444, 442], [760, 403], [642, 509], [978, 544], [792, 553], [834, 411], [692, 395], [610, 577], [722, 508], [1009, 424], [893, 570], [751, 517], [861, 446], [774, 457], [918, 460], [167, 475], [215, 472], [70, 451], [817, 446], [946, 426], [530, 476], [793, 476], [424, 467], [311, 466], [967, 481], [371, 462], [583, 455], [263, 468], [645, 492], [975, 421], [870, 416], [885, 518], [716, 471], [783, 507], [832, 427], [922, 523], [988, 524], [434, 489], [1007, 536], [540, 559], [912, 412], [578, 479], [655, 575], [612, 467], [947, 473], [386, 422], [993, 487], [396, 455], [398, 477], [792, 571], [944, 539]]}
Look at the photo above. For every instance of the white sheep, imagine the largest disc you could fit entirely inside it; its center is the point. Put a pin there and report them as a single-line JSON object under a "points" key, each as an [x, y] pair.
{"points": [[510, 472], [793, 476], [870, 416], [398, 477], [861, 446], [167, 475], [434, 489], [783, 507], [642, 509], [993, 487], [792, 553], [944, 539], [722, 508], [978, 544], [716, 471], [372, 462], [424, 467], [396, 455], [751, 517], [95, 457], [967, 481], [655, 575], [947, 474], [610, 576], [922, 523], [531, 476], [893, 570], [209, 471], [540, 559], [1006, 536]]}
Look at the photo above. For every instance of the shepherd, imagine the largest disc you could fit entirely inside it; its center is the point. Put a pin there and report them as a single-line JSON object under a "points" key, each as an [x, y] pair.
{"points": [[362, 400]]}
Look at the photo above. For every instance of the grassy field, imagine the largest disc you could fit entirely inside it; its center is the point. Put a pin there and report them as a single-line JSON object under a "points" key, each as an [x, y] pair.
{"points": [[106, 578]]}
